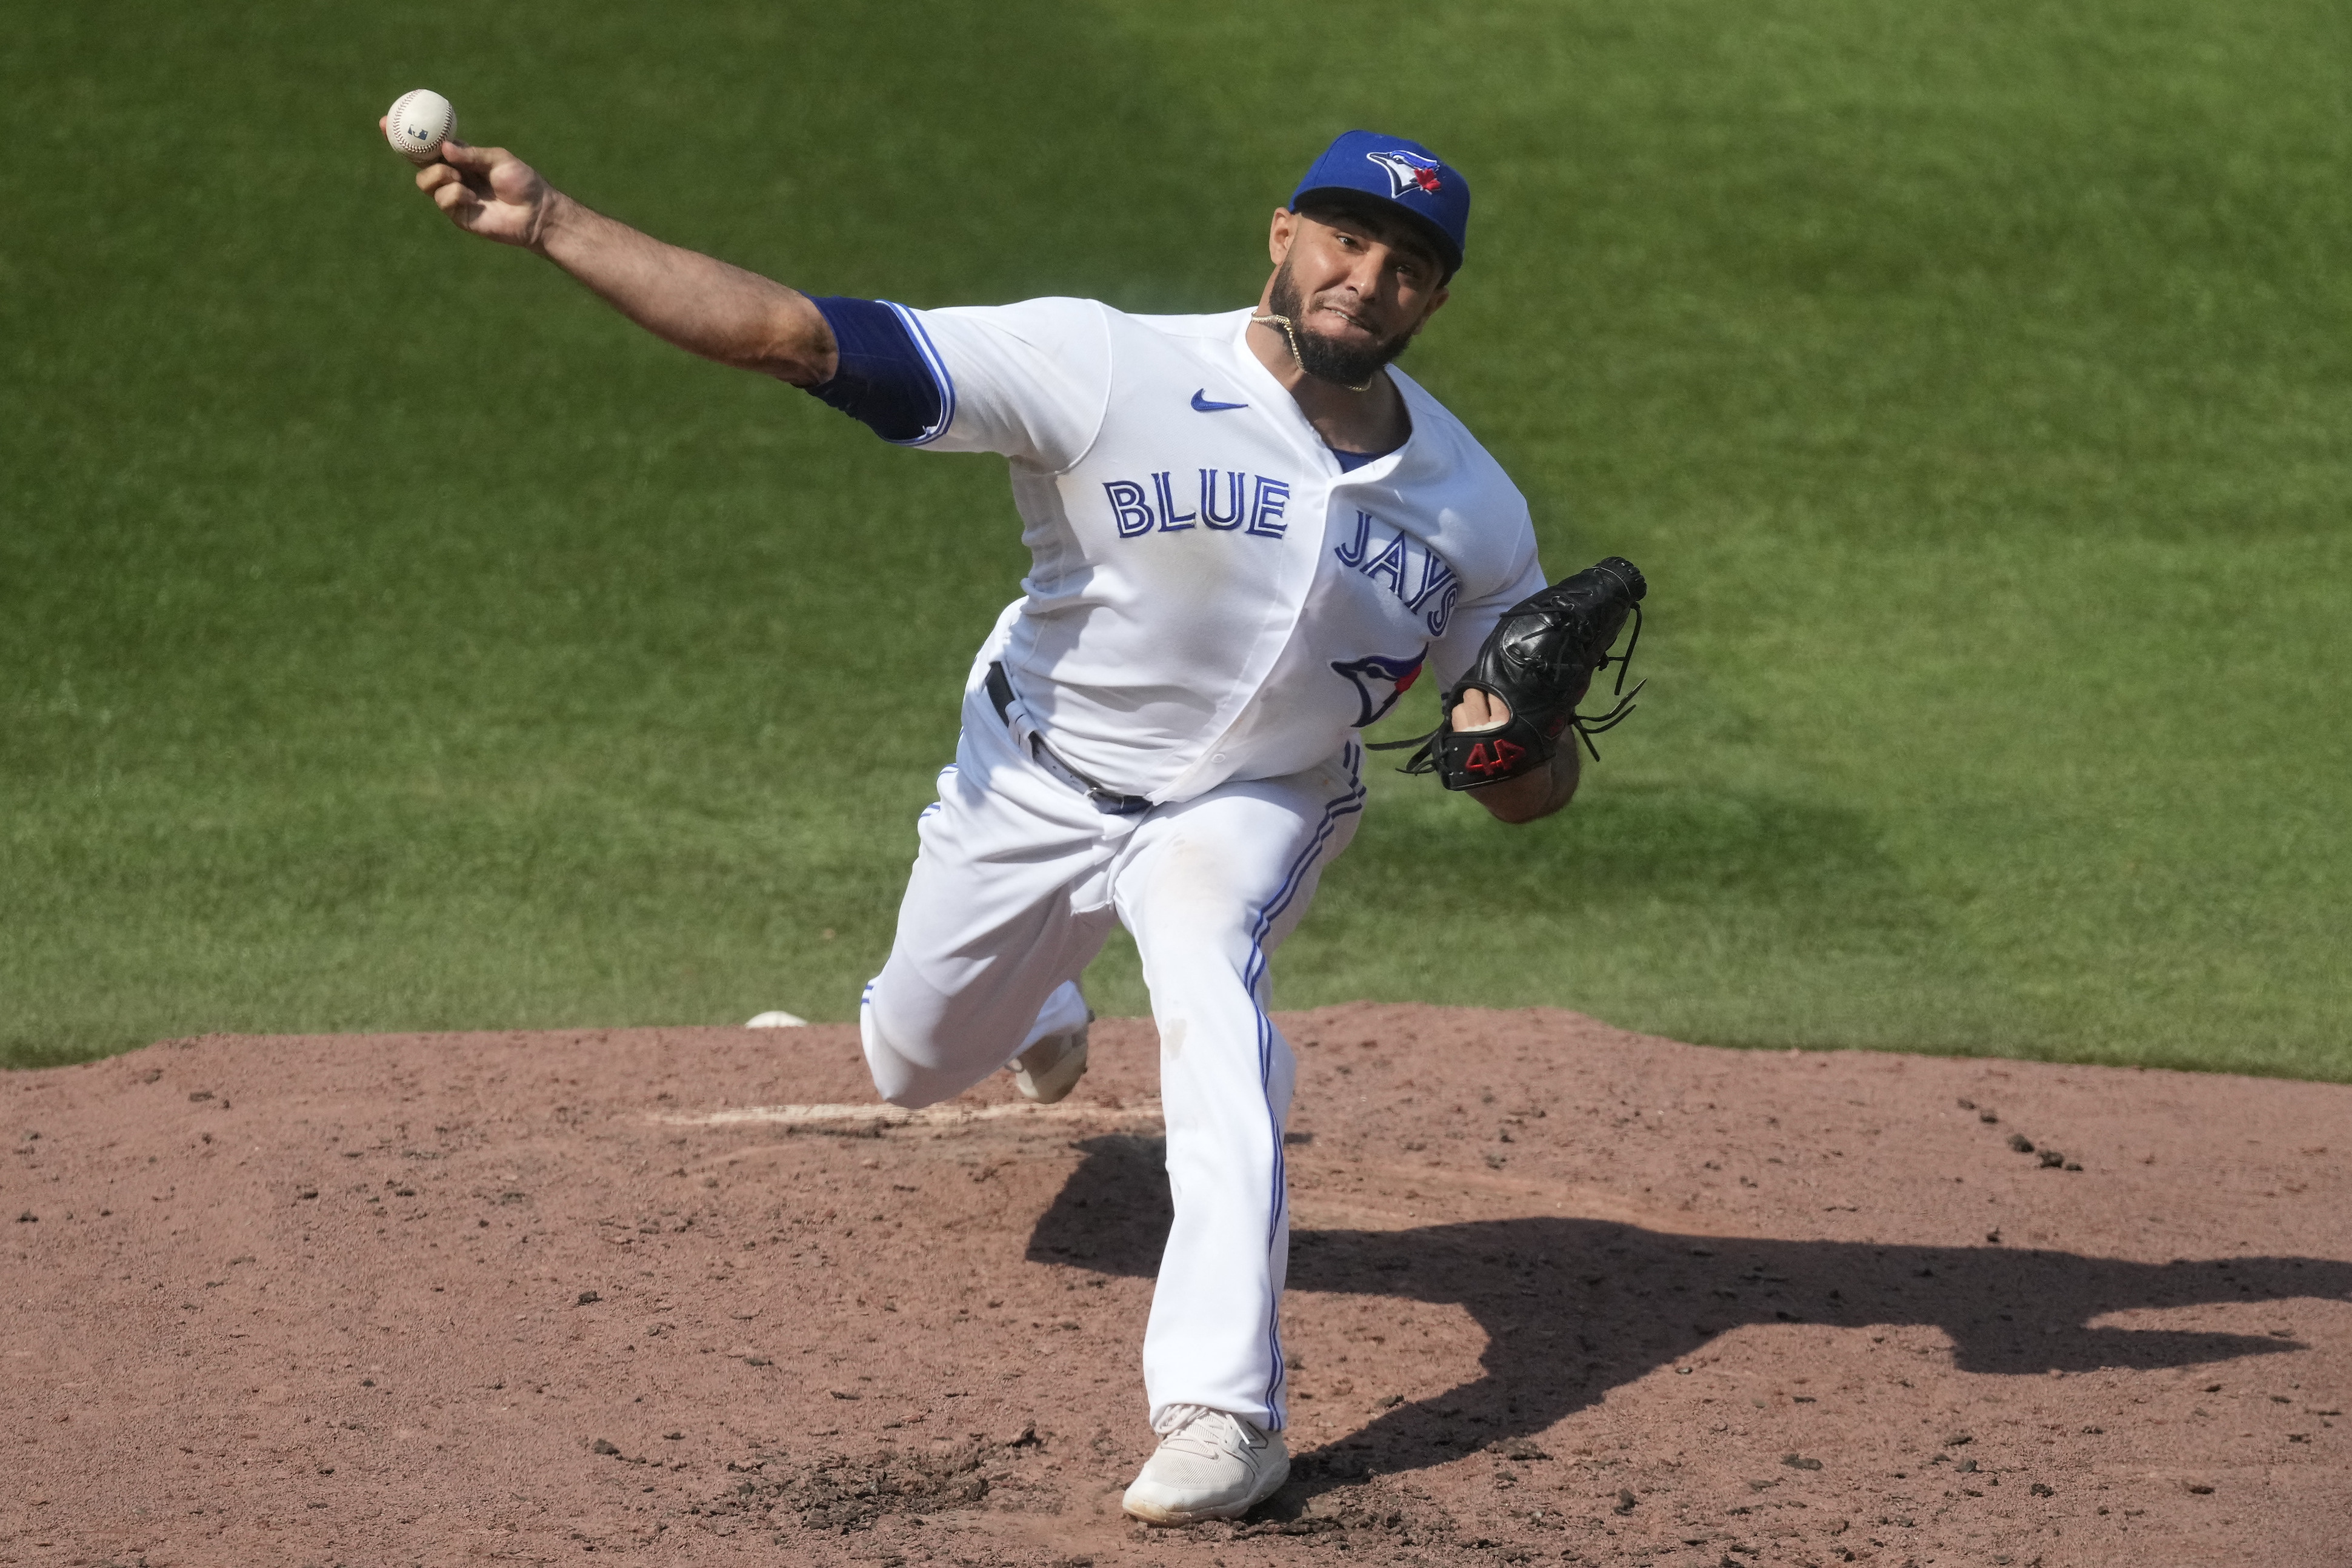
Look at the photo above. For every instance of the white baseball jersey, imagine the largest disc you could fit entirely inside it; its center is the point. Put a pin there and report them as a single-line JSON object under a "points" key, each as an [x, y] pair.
{"points": [[1210, 595]]}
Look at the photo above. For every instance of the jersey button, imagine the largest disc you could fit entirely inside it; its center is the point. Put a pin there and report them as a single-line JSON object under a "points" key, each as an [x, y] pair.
{"points": [[1219, 757]]}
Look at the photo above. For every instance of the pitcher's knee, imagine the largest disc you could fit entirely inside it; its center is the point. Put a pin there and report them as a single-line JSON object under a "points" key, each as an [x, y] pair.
{"points": [[897, 1079], [908, 1065]]}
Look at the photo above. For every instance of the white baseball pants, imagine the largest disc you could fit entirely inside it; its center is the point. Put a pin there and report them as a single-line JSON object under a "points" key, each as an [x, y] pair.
{"points": [[1014, 888]]}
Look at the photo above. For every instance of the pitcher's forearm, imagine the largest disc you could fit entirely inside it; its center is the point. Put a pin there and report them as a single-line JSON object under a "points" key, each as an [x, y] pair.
{"points": [[1536, 794], [703, 305]]}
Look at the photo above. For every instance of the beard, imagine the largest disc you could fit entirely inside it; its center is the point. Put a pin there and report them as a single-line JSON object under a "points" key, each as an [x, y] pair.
{"points": [[1350, 366]]}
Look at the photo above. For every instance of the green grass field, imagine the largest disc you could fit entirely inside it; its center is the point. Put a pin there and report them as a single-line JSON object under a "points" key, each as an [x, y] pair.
{"points": [[391, 638]]}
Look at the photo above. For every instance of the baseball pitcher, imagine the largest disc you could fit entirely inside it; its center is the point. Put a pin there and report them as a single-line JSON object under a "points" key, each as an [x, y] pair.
{"points": [[1249, 534]]}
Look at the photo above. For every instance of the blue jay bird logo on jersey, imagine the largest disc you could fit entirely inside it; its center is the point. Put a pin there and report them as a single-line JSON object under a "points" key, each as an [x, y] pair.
{"points": [[1408, 171], [1379, 682]]}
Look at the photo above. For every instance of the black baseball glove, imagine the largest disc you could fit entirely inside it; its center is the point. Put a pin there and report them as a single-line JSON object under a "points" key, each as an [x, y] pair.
{"points": [[1538, 662]]}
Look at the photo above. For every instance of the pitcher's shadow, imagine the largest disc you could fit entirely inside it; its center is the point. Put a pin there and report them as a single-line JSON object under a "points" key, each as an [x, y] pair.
{"points": [[1574, 1308]]}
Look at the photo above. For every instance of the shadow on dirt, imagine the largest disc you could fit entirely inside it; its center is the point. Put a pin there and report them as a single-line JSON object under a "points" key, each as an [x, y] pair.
{"points": [[1574, 1308]]}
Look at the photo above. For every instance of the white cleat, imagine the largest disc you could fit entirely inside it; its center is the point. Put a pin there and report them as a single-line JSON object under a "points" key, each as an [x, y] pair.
{"points": [[1210, 1465], [1050, 1069]]}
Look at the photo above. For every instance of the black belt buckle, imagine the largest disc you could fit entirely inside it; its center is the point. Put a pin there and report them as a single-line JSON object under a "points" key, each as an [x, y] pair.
{"points": [[1117, 805]]}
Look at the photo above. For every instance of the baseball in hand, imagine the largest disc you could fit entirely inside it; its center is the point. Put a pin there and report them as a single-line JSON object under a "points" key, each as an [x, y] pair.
{"points": [[419, 124]]}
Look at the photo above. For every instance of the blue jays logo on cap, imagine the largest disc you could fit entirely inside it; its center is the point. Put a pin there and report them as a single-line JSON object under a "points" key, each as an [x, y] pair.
{"points": [[1404, 174], [1409, 171]]}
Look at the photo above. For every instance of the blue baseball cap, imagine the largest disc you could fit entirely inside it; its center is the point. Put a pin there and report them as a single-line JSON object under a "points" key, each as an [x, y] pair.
{"points": [[1403, 174]]}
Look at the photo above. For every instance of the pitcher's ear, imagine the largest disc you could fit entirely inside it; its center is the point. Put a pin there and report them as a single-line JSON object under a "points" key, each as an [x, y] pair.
{"points": [[1280, 234]]}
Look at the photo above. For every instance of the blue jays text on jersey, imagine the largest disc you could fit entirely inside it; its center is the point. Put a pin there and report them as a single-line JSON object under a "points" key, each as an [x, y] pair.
{"points": [[1414, 572], [1225, 501]]}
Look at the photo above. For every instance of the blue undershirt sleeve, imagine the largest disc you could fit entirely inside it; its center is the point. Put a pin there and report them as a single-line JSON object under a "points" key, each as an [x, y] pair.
{"points": [[885, 378]]}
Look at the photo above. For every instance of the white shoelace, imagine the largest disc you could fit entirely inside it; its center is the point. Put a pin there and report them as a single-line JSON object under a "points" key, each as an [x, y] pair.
{"points": [[1177, 1422]]}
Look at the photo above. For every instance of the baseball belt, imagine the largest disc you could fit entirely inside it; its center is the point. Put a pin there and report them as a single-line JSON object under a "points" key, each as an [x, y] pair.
{"points": [[1000, 696]]}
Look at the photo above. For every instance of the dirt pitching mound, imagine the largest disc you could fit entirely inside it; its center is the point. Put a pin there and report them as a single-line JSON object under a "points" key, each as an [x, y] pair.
{"points": [[1559, 1294]]}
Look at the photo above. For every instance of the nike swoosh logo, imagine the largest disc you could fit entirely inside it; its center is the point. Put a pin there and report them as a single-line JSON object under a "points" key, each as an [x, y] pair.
{"points": [[1201, 403]]}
